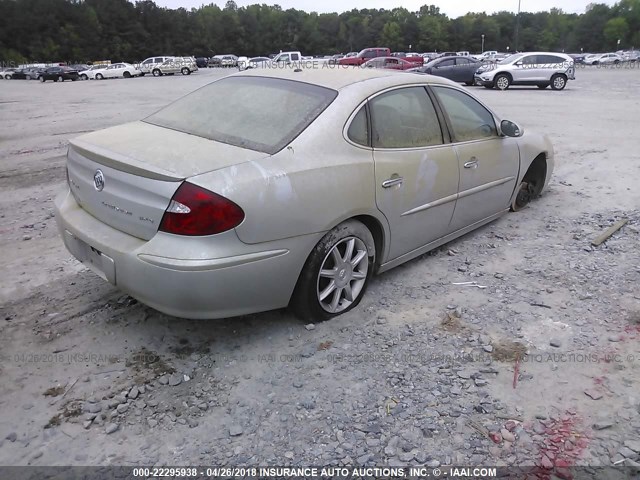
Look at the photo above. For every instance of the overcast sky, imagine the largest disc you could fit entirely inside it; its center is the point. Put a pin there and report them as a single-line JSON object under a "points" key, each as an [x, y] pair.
{"points": [[453, 8]]}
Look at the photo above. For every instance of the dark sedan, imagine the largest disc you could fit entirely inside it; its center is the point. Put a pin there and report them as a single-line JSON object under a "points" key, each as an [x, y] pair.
{"points": [[58, 74], [458, 69]]}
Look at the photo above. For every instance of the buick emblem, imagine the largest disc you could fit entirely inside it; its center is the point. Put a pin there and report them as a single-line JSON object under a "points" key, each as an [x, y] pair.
{"points": [[98, 180]]}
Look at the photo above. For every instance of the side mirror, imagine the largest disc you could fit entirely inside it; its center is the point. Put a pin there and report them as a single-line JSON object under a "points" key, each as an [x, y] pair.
{"points": [[510, 129], [518, 64]]}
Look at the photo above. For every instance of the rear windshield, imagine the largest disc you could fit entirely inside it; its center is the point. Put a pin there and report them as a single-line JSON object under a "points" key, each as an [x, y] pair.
{"points": [[258, 113]]}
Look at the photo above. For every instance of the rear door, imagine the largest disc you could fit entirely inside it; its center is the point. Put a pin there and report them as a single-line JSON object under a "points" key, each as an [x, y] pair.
{"points": [[416, 173], [446, 68], [489, 164], [465, 68]]}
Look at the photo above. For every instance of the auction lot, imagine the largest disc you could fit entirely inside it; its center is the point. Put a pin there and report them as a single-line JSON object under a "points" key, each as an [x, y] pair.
{"points": [[423, 372]]}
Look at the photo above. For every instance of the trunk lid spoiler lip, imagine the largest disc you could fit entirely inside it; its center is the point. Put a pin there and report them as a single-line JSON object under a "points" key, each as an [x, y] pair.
{"points": [[121, 162]]}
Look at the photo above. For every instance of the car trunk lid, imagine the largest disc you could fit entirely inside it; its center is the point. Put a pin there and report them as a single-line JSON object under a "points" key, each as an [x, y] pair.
{"points": [[125, 176]]}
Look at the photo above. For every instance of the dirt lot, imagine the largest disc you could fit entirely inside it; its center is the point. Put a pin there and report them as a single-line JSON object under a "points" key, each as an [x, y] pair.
{"points": [[424, 372]]}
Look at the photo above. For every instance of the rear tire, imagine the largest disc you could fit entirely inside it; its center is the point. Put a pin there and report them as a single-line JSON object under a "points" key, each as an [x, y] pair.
{"points": [[469, 83], [42, 80], [185, 71], [336, 274], [84, 76], [558, 82], [156, 73], [99, 76], [502, 82], [126, 75], [60, 79]]}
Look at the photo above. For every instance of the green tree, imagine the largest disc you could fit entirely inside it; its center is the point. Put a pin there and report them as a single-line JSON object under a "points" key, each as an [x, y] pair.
{"points": [[391, 36], [616, 30]]}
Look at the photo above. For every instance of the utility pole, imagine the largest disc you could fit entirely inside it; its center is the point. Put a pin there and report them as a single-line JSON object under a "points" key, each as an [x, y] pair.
{"points": [[517, 27]]}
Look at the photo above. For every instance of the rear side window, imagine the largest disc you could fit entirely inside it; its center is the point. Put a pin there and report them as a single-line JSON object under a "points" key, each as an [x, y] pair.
{"points": [[553, 60], [468, 118], [404, 118], [358, 130], [257, 113]]}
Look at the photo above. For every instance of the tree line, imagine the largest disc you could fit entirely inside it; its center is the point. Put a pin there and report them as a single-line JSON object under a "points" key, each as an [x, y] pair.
{"points": [[120, 30]]}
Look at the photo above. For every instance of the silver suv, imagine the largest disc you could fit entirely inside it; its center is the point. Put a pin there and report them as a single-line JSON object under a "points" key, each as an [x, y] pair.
{"points": [[148, 64], [184, 65], [530, 68]]}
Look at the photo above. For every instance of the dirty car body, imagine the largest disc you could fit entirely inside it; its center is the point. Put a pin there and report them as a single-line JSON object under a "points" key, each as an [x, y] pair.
{"points": [[300, 181]]}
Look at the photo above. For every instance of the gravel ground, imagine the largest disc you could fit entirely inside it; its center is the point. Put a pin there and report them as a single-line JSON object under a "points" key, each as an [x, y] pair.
{"points": [[540, 368]]}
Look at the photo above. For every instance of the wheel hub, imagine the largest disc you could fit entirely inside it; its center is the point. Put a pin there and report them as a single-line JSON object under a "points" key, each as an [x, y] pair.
{"points": [[345, 274]]}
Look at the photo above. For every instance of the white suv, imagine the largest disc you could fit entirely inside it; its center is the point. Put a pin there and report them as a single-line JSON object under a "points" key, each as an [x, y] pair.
{"points": [[150, 63], [530, 68]]}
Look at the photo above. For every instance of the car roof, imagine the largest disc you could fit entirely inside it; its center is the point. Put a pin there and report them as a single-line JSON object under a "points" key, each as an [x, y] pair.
{"points": [[338, 78], [542, 53]]}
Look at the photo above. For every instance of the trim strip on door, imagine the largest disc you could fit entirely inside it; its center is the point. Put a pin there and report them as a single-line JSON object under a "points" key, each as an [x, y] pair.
{"points": [[486, 186], [457, 196], [441, 201]]}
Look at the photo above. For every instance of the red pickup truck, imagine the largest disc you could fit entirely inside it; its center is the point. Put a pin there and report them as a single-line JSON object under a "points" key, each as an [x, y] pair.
{"points": [[365, 55]]}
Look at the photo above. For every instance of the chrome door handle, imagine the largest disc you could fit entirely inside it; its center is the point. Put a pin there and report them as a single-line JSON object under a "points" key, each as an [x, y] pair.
{"points": [[472, 163], [392, 182]]}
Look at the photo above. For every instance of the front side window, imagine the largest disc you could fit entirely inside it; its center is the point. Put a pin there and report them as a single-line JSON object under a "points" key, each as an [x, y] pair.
{"points": [[404, 118], [468, 118], [258, 113]]}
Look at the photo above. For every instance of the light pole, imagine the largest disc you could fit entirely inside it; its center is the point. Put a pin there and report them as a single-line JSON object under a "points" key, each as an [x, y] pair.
{"points": [[618, 44], [482, 43], [517, 27]]}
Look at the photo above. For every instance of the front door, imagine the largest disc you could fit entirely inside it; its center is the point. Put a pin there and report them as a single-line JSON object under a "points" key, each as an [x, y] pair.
{"points": [[489, 164], [416, 174]]}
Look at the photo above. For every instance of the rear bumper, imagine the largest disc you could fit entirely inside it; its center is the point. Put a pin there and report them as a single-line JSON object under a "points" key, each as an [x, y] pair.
{"points": [[190, 277]]}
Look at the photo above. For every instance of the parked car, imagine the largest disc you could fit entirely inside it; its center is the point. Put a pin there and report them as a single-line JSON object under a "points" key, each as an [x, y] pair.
{"points": [[202, 62], [603, 59], [458, 69], [115, 70], [149, 64], [184, 65], [578, 57], [7, 73], [29, 73], [215, 61], [393, 63], [58, 74], [288, 57], [228, 61], [448, 54], [17, 74], [365, 55], [333, 60], [378, 177], [79, 67], [631, 55], [532, 68], [89, 73], [485, 55], [254, 62]]}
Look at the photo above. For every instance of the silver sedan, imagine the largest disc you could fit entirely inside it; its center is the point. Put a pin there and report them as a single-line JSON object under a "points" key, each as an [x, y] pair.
{"points": [[290, 187]]}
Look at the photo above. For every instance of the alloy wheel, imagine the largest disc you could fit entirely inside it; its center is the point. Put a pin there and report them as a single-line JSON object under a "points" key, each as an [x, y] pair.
{"points": [[343, 274]]}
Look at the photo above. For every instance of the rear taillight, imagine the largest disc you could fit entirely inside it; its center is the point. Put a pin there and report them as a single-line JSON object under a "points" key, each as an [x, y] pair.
{"points": [[196, 211]]}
